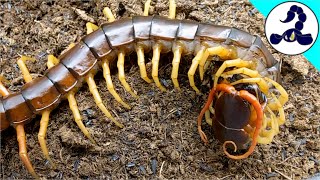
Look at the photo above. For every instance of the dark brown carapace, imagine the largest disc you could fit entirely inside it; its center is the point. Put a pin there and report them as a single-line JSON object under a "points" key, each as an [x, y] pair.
{"points": [[239, 116]]}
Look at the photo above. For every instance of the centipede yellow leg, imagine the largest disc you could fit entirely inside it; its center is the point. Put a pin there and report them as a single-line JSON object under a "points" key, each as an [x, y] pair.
{"points": [[107, 12], [3, 89], [122, 78], [45, 115], [283, 94], [155, 66], [107, 77], [94, 91], [146, 7], [269, 130], [263, 86], [91, 27], [42, 135], [172, 9], [77, 117], [175, 66], [21, 137], [142, 65], [193, 68], [230, 63], [222, 52]]}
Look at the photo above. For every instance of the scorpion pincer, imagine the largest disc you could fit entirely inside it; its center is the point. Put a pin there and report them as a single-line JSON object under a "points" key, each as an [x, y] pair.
{"points": [[246, 108]]}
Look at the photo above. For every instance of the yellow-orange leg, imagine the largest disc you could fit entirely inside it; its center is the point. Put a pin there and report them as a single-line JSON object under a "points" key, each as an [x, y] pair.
{"points": [[142, 65], [230, 63], [72, 102], [106, 73], [172, 9], [146, 7], [107, 77], [94, 91], [122, 78], [3, 90], [175, 66], [222, 52], [155, 65], [21, 137], [193, 68]]}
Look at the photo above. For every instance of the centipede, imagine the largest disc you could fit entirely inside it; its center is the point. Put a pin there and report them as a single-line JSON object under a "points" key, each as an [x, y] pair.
{"points": [[244, 106]]}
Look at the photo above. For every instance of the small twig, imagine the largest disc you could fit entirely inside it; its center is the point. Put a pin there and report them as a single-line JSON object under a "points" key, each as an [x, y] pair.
{"points": [[161, 169], [285, 176], [247, 174]]}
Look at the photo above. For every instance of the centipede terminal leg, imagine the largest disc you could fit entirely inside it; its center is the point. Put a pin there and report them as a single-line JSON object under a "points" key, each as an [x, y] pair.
{"points": [[193, 68], [21, 137], [155, 65]]}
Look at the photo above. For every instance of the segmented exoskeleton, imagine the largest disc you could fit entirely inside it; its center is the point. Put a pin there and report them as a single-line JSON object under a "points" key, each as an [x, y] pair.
{"points": [[242, 54]]}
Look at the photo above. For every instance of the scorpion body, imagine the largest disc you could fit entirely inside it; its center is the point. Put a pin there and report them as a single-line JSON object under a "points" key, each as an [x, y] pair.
{"points": [[241, 52]]}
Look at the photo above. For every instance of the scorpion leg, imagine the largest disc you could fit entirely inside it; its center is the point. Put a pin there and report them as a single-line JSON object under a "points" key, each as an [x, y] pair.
{"points": [[142, 65], [220, 51], [21, 137], [146, 8], [175, 66], [122, 78], [155, 65], [172, 9], [94, 91], [107, 77], [45, 115], [193, 68]]}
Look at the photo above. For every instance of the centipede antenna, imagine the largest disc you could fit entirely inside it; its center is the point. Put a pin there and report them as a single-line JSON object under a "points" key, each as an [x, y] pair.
{"points": [[77, 117], [108, 13], [107, 77], [146, 7], [172, 9], [193, 68], [122, 78], [94, 91], [155, 65], [42, 135], [142, 65], [21, 137], [175, 66]]}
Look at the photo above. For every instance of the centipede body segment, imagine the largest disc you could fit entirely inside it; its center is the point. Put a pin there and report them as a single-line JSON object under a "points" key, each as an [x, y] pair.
{"points": [[242, 54]]}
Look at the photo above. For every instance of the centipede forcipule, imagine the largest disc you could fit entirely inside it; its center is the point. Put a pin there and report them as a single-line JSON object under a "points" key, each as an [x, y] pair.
{"points": [[240, 52]]}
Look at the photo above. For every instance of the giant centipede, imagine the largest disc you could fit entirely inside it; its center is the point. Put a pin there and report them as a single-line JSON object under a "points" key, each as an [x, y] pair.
{"points": [[244, 107]]}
